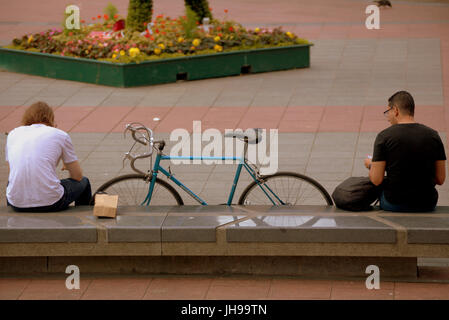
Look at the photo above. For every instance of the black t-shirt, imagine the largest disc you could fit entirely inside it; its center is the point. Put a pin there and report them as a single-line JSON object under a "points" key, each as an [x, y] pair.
{"points": [[410, 151]]}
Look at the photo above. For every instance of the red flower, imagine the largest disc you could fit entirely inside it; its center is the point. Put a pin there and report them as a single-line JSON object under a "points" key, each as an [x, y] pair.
{"points": [[164, 33], [106, 17], [218, 28], [83, 21], [70, 33], [231, 29], [210, 9], [226, 10], [147, 35], [93, 18], [145, 24], [99, 17], [157, 30], [115, 16], [220, 35], [119, 25]]}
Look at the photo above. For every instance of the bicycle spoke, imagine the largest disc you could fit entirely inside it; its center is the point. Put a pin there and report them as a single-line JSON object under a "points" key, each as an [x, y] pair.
{"points": [[291, 189], [132, 190]]}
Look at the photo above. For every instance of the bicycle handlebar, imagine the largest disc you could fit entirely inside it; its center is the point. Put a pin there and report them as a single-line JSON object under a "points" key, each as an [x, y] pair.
{"points": [[135, 130], [145, 140]]}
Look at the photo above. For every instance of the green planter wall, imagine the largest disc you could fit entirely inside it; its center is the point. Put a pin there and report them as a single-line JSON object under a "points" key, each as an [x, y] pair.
{"points": [[156, 71]]}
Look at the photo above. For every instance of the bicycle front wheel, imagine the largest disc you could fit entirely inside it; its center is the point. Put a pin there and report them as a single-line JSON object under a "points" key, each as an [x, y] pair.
{"points": [[132, 190], [285, 188]]}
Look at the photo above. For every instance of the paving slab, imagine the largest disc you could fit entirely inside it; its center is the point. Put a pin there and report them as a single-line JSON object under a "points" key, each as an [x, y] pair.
{"points": [[32, 228], [193, 228], [310, 229], [418, 228]]}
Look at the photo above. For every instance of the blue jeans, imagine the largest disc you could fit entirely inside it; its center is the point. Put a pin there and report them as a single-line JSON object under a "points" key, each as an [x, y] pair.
{"points": [[388, 206], [78, 191]]}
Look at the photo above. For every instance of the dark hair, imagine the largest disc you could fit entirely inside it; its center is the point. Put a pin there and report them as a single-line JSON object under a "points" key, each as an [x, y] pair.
{"points": [[38, 112], [404, 101]]}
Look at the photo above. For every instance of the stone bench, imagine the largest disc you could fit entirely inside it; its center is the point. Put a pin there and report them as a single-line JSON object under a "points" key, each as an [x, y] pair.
{"points": [[296, 240]]}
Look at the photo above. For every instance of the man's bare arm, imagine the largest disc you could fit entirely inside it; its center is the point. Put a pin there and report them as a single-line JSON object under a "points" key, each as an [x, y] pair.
{"points": [[377, 172], [440, 171], [74, 169]]}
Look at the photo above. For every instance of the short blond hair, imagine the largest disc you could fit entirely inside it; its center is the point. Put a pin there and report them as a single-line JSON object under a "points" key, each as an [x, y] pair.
{"points": [[39, 112]]}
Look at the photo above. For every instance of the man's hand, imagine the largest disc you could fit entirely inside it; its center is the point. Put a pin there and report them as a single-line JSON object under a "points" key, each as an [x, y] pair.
{"points": [[367, 162]]}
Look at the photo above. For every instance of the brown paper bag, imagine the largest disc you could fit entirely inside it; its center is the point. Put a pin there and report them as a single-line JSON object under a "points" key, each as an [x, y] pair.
{"points": [[105, 205]]}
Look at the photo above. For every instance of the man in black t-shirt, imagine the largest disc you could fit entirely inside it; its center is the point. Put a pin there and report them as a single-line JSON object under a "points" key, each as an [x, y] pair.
{"points": [[413, 157]]}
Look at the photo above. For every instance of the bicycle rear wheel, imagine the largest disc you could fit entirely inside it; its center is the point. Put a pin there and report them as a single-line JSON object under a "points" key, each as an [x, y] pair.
{"points": [[132, 189], [289, 187]]}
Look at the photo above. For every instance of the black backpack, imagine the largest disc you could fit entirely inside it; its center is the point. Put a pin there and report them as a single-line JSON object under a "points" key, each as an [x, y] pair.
{"points": [[356, 194]]}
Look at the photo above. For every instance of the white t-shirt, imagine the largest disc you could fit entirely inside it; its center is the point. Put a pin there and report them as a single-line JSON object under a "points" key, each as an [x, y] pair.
{"points": [[33, 153]]}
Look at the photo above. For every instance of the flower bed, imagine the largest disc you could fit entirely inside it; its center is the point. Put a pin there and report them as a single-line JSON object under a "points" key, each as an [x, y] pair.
{"points": [[170, 42]]}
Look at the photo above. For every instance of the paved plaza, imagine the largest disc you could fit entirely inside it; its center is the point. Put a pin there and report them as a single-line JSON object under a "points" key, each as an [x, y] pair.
{"points": [[218, 288], [327, 116]]}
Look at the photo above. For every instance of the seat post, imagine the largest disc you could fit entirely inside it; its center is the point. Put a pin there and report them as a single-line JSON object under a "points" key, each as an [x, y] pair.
{"points": [[245, 148]]}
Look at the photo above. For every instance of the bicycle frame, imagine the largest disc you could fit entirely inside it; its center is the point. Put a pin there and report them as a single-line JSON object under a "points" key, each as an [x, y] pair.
{"points": [[242, 164], [160, 156]]}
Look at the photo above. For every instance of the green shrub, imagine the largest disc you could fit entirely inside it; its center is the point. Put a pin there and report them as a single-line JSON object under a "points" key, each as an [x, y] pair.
{"points": [[201, 8], [110, 10], [139, 12], [189, 24]]}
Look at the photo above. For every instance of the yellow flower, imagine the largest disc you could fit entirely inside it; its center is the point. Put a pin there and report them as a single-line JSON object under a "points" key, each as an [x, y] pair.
{"points": [[217, 38], [157, 51], [257, 30], [30, 38], [114, 56], [161, 45], [218, 48], [133, 52], [180, 39], [87, 51], [170, 44], [192, 48], [122, 52], [196, 42], [89, 47], [289, 34]]}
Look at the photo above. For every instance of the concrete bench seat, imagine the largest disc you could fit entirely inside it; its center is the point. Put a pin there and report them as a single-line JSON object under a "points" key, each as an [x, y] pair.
{"points": [[224, 238]]}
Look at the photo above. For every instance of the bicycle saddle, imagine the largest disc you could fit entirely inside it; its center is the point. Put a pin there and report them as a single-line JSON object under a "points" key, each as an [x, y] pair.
{"points": [[254, 135]]}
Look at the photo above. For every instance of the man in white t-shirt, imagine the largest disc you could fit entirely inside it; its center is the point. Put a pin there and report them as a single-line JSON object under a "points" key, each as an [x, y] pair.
{"points": [[33, 152]]}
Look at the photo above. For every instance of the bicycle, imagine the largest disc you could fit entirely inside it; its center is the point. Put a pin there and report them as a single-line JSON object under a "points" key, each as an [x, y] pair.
{"points": [[281, 188]]}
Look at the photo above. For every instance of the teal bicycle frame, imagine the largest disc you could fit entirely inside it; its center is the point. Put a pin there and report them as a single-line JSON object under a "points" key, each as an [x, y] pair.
{"points": [[242, 164]]}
